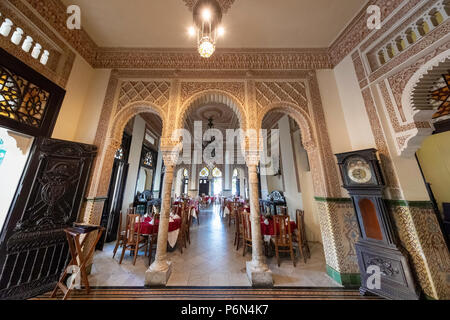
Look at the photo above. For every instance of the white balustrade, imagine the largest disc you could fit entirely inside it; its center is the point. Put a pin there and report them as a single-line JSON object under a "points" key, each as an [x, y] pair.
{"points": [[36, 51], [27, 43], [5, 28], [44, 57]]}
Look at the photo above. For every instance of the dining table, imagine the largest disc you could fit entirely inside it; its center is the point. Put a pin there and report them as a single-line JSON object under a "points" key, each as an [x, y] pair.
{"points": [[193, 207], [268, 227], [227, 209], [150, 226]]}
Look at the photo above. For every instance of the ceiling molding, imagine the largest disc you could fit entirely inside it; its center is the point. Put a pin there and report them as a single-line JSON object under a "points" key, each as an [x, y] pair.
{"points": [[54, 12], [224, 4], [240, 59]]}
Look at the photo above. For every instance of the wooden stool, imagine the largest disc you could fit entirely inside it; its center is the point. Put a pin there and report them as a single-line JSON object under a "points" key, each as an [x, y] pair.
{"points": [[76, 251]]}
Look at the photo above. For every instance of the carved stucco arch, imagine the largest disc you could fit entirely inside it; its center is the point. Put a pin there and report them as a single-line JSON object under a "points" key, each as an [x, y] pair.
{"points": [[308, 137], [121, 119], [212, 96], [414, 98], [101, 178], [298, 114]]}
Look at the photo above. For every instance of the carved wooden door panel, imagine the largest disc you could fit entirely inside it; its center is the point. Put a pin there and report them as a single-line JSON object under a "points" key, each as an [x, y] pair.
{"points": [[33, 248]]}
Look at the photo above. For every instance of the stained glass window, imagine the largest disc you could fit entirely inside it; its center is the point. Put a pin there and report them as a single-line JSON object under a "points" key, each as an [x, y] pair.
{"points": [[21, 100], [441, 97], [235, 173], [148, 159], [216, 173], [186, 173], [204, 172]]}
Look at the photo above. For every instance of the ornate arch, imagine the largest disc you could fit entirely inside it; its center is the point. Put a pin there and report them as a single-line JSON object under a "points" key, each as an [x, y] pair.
{"points": [[309, 141], [298, 114], [125, 114], [212, 96], [415, 98]]}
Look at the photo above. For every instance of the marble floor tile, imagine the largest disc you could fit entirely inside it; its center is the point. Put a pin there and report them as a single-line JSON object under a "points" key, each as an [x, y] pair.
{"points": [[210, 260]]}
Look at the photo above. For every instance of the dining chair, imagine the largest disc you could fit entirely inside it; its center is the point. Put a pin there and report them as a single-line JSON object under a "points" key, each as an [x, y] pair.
{"points": [[302, 242], [133, 241], [239, 233], [283, 211], [188, 212], [182, 240], [283, 236], [153, 238], [233, 212], [247, 231], [120, 236]]}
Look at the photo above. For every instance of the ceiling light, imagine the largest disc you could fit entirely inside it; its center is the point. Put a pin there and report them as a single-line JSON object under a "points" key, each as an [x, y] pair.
{"points": [[206, 47], [207, 18], [191, 31], [206, 14]]}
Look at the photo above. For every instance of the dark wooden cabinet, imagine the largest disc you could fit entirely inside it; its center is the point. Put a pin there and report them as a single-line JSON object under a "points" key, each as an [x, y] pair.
{"points": [[33, 247]]}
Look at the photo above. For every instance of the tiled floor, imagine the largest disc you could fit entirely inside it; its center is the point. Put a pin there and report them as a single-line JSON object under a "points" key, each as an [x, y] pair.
{"points": [[210, 260]]}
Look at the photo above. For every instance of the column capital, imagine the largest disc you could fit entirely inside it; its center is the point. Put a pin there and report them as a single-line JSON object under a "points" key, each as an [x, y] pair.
{"points": [[252, 157], [170, 157]]}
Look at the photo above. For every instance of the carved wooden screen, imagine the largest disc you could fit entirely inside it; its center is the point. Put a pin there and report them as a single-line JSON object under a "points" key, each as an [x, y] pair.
{"points": [[33, 246], [29, 102]]}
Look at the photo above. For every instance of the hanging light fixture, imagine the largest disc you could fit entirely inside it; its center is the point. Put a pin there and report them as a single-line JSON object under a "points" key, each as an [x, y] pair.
{"points": [[207, 19]]}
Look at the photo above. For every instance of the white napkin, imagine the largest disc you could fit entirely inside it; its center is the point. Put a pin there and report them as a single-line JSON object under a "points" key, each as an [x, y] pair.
{"points": [[175, 217], [171, 219], [266, 222], [152, 222]]}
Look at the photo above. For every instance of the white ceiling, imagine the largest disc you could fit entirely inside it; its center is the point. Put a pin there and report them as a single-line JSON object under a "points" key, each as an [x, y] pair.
{"points": [[248, 23]]}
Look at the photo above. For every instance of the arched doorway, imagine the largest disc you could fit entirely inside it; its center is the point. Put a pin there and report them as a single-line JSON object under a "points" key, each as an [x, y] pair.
{"points": [[204, 182], [217, 182], [135, 166], [289, 167]]}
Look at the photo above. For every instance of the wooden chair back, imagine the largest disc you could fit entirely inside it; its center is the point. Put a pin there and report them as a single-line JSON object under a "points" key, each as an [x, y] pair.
{"points": [[301, 225], [119, 227], [246, 225], [133, 228], [282, 230], [283, 211]]}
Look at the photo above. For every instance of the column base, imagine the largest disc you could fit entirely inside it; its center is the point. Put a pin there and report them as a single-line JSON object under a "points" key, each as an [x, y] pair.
{"points": [[260, 276], [158, 275]]}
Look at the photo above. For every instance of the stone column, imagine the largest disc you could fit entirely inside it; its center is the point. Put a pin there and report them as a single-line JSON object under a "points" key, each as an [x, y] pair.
{"points": [[159, 272], [258, 272]]}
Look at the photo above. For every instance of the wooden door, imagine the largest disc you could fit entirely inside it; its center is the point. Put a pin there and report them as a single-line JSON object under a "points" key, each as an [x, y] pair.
{"points": [[33, 246]]}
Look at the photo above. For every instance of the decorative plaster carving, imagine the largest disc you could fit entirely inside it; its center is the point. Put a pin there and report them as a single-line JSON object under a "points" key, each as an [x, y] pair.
{"points": [[357, 30], [237, 59], [155, 92], [268, 92], [54, 13], [381, 144]]}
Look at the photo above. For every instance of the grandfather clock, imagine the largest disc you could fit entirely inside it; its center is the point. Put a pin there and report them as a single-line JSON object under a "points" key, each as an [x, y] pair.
{"points": [[379, 253]]}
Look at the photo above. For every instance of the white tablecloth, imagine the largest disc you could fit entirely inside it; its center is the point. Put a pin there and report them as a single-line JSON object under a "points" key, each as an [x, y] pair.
{"points": [[172, 238]]}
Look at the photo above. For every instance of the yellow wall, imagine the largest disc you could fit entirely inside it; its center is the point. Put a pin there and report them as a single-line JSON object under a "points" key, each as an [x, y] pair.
{"points": [[80, 111], [434, 157], [352, 102]]}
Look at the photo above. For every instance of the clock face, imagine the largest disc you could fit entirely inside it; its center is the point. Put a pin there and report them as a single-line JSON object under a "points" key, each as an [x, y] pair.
{"points": [[358, 170]]}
